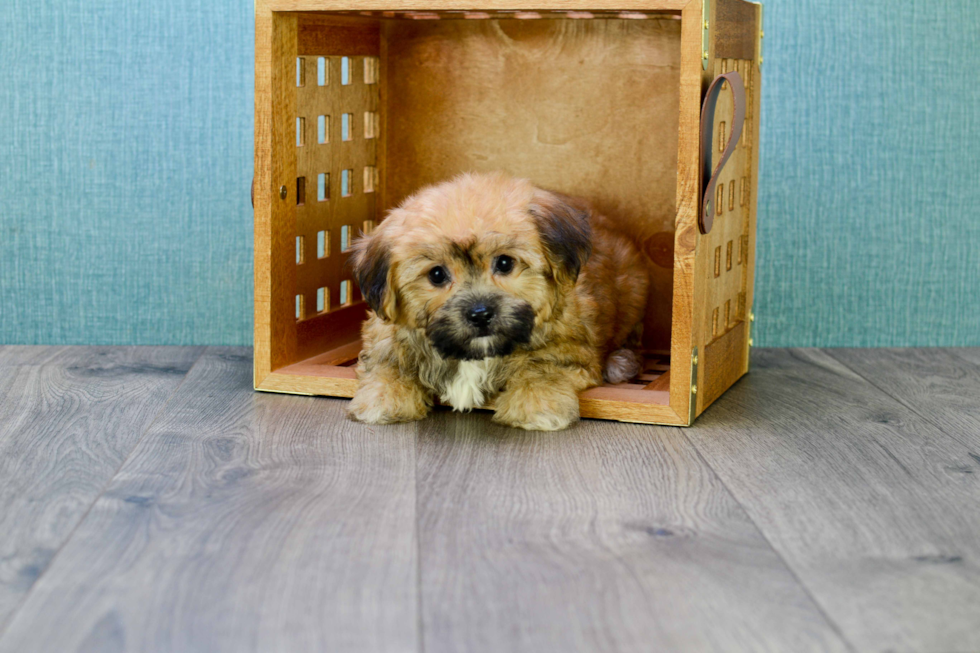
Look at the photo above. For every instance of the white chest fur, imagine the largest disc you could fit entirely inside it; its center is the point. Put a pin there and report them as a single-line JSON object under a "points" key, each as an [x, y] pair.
{"points": [[470, 388]]}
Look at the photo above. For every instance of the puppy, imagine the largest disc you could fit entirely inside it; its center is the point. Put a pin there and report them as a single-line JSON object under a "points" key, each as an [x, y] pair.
{"points": [[488, 289]]}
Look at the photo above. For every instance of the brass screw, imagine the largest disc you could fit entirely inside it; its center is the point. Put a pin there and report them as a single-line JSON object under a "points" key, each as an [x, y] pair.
{"points": [[694, 389], [283, 192], [706, 23], [704, 55], [694, 360], [751, 343], [751, 317]]}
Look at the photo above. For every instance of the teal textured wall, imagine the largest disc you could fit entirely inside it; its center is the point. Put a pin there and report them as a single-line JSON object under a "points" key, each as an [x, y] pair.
{"points": [[126, 155], [869, 199]]}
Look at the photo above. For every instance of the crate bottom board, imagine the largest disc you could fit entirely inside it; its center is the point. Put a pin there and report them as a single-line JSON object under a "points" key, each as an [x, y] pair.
{"points": [[645, 400]]}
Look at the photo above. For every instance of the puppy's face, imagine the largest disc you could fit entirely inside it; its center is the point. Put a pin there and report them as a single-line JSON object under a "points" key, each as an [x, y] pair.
{"points": [[478, 263]]}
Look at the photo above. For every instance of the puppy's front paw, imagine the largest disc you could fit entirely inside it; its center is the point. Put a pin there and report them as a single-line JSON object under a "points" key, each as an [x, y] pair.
{"points": [[539, 409], [377, 402]]}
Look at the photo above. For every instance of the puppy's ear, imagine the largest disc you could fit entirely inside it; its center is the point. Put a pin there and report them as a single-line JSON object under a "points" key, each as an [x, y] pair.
{"points": [[563, 225], [371, 263]]}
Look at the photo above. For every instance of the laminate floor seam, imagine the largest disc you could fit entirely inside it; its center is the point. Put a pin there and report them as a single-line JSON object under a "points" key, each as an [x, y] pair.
{"points": [[420, 615], [81, 520], [748, 515], [928, 417]]}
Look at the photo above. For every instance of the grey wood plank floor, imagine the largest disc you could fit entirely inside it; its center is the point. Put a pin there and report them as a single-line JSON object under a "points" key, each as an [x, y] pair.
{"points": [[68, 419], [827, 502], [607, 537], [242, 521], [864, 498]]}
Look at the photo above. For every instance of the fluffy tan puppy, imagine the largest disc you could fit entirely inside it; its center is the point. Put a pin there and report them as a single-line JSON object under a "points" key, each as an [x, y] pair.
{"points": [[488, 289]]}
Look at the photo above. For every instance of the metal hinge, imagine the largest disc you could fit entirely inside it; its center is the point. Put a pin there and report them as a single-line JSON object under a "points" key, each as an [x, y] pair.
{"points": [[762, 31], [705, 31], [693, 410]]}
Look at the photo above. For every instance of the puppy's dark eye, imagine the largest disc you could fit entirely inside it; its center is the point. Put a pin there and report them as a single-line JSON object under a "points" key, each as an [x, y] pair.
{"points": [[438, 275], [503, 264]]}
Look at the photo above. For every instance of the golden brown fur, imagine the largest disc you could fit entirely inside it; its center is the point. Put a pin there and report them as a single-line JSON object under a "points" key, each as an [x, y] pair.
{"points": [[572, 295]]}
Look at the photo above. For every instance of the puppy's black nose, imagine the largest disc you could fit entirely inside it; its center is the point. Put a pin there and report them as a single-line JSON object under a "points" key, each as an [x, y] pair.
{"points": [[479, 315]]}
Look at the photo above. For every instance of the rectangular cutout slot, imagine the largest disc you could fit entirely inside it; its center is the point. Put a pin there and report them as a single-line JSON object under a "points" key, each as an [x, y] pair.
{"points": [[322, 300], [299, 250], [299, 307], [720, 199], [346, 133], [344, 239], [368, 227], [721, 136], [371, 65], [370, 124], [300, 131], [370, 178], [322, 244], [731, 196], [345, 292], [346, 182], [345, 71], [728, 256], [322, 77], [300, 191], [300, 72], [718, 261], [323, 129], [322, 187]]}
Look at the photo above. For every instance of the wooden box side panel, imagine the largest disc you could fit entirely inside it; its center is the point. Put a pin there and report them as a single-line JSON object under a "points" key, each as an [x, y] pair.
{"points": [[316, 180], [275, 167], [725, 261]]}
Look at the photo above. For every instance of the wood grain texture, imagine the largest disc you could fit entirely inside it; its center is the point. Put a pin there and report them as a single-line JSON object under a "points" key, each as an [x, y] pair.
{"points": [[942, 386], [687, 293], [331, 35], [29, 354], [871, 505], [243, 521], [971, 354], [736, 31], [605, 537], [340, 322], [725, 261], [69, 417], [724, 361]]}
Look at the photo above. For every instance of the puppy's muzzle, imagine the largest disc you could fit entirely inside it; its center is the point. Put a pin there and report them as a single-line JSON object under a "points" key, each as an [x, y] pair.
{"points": [[474, 325], [480, 314]]}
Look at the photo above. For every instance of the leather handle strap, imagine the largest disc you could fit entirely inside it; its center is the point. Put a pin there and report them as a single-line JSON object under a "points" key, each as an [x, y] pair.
{"points": [[709, 178]]}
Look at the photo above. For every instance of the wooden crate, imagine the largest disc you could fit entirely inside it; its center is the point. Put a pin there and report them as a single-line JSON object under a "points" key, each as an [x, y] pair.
{"points": [[359, 103]]}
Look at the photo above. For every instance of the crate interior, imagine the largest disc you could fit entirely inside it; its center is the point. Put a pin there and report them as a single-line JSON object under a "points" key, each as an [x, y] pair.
{"points": [[387, 102]]}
